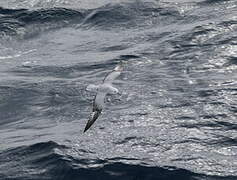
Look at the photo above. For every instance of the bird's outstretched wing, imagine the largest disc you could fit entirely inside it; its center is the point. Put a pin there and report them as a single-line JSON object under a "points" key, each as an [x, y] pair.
{"points": [[113, 75], [99, 100], [98, 105]]}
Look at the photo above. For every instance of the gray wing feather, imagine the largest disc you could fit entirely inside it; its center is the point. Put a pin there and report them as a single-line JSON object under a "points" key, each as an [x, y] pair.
{"points": [[93, 116], [99, 101], [98, 105]]}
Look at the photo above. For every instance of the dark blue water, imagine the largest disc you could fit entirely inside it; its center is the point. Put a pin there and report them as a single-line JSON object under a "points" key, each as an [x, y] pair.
{"points": [[175, 118]]}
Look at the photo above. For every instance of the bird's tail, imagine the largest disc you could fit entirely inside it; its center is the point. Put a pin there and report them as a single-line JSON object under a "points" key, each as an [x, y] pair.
{"points": [[94, 115]]}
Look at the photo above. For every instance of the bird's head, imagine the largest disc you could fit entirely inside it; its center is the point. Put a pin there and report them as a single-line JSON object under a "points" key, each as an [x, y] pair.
{"points": [[114, 91]]}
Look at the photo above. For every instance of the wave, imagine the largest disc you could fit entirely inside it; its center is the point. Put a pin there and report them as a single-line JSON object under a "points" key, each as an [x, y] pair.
{"points": [[25, 23], [130, 15], [49, 160], [210, 2]]}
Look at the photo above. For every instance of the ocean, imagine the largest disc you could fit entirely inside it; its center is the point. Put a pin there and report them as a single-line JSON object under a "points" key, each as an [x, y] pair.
{"points": [[174, 118]]}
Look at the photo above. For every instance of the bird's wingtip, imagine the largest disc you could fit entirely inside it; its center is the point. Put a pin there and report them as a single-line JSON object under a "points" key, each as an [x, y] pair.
{"points": [[85, 129], [88, 125], [92, 119]]}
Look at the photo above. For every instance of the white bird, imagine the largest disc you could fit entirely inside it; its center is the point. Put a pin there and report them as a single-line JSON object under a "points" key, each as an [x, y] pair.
{"points": [[102, 90]]}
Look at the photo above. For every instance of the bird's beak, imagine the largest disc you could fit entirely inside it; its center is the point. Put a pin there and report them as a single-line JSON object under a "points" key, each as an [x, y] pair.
{"points": [[93, 117]]}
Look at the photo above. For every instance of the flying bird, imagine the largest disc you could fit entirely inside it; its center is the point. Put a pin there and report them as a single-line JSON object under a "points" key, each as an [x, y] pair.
{"points": [[101, 91]]}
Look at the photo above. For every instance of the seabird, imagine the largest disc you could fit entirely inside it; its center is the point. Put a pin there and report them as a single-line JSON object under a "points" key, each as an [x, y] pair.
{"points": [[101, 91]]}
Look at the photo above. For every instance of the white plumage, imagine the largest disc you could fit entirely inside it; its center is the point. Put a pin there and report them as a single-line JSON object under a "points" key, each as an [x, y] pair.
{"points": [[102, 90]]}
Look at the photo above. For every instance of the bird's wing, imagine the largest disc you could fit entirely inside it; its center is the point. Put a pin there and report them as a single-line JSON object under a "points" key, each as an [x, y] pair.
{"points": [[113, 75], [99, 101], [98, 105]]}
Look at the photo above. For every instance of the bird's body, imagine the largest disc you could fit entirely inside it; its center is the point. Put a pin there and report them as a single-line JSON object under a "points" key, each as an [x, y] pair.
{"points": [[102, 90]]}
